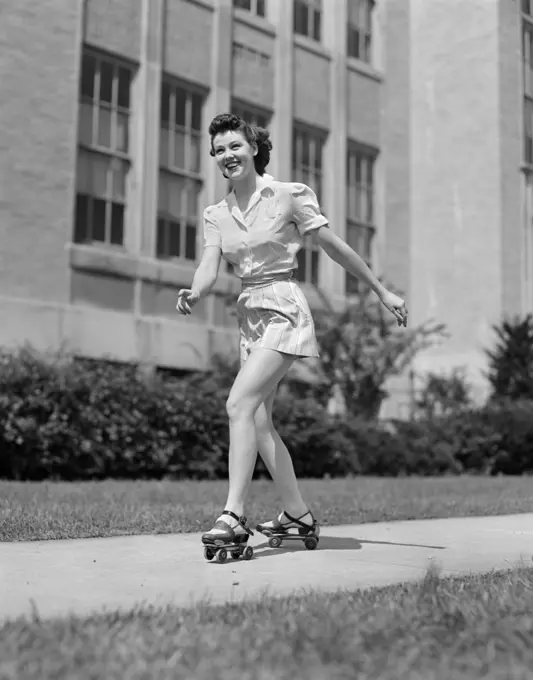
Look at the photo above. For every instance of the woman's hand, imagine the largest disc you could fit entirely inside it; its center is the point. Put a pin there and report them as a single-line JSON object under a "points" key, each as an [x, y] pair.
{"points": [[186, 300], [396, 305]]}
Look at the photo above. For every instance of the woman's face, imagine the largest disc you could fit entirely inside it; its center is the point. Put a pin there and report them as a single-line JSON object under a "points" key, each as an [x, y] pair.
{"points": [[233, 154]]}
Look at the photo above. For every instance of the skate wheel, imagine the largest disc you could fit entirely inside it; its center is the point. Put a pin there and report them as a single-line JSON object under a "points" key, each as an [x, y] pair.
{"points": [[222, 555], [274, 542], [209, 553], [310, 543], [235, 554], [248, 553]]}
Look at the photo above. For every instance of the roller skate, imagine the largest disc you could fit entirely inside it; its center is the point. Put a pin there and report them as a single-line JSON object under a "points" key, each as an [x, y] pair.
{"points": [[278, 530], [217, 545]]}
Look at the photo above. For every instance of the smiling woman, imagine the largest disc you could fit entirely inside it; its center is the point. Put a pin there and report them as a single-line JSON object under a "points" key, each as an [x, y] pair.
{"points": [[260, 227]]}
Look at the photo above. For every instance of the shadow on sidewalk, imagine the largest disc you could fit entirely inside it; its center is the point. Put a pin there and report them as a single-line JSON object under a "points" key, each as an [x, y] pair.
{"points": [[335, 543]]}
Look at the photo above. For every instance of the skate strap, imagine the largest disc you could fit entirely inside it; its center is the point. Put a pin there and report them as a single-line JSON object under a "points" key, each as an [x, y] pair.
{"points": [[240, 520], [297, 521]]}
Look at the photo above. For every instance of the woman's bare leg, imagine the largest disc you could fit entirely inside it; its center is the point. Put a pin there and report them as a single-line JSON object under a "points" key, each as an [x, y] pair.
{"points": [[277, 459], [258, 377]]}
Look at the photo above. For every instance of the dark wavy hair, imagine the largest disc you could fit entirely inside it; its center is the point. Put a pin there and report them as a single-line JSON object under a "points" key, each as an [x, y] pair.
{"points": [[253, 134]]}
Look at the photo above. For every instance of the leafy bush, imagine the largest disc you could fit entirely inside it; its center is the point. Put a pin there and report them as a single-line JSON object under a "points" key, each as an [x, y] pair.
{"points": [[511, 361], [71, 420], [443, 394]]}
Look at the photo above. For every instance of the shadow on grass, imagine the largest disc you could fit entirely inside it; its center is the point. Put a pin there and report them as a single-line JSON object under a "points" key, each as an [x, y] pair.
{"points": [[335, 543]]}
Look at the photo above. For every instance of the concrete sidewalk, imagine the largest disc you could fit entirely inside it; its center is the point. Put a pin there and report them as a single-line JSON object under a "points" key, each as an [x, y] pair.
{"points": [[91, 575]]}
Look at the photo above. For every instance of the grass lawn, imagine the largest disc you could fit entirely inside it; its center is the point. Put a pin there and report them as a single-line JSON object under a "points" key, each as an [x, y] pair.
{"points": [[37, 511], [438, 629]]}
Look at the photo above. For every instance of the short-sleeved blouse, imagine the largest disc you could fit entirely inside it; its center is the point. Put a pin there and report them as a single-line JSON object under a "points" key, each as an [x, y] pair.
{"points": [[263, 243]]}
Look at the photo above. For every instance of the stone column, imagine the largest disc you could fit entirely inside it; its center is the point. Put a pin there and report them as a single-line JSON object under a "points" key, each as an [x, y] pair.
{"points": [[335, 17], [280, 13]]}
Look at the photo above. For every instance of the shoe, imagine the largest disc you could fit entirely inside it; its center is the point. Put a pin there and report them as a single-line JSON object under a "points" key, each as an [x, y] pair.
{"points": [[277, 527], [228, 535]]}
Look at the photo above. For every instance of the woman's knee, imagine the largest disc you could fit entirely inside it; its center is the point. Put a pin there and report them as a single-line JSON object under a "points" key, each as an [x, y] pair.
{"points": [[240, 406]]}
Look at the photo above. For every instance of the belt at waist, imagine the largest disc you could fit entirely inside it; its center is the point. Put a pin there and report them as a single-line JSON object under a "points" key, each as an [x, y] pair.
{"points": [[258, 281]]}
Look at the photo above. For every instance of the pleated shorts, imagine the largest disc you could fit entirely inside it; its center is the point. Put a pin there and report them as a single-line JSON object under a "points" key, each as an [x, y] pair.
{"points": [[276, 315]]}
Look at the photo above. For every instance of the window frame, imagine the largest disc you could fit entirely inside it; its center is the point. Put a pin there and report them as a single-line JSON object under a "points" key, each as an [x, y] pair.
{"points": [[312, 175], [314, 10], [115, 154], [527, 87], [189, 172], [364, 221], [359, 30]]}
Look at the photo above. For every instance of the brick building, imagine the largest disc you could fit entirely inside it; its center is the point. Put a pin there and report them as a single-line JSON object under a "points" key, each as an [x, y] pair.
{"points": [[412, 120]]}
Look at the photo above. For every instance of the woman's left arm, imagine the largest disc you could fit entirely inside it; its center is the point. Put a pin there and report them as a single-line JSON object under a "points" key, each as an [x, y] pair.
{"points": [[340, 252]]}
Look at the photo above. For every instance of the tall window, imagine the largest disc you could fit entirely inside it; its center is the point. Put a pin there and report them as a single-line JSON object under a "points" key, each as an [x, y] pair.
{"points": [[359, 29], [255, 6], [251, 115], [360, 209], [308, 18], [179, 171], [103, 145], [307, 149], [527, 59]]}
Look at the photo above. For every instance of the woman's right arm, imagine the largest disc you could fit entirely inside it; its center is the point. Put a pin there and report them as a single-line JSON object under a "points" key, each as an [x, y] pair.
{"points": [[206, 273]]}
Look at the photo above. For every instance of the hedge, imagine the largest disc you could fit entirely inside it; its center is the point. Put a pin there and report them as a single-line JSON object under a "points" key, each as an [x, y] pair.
{"points": [[77, 420]]}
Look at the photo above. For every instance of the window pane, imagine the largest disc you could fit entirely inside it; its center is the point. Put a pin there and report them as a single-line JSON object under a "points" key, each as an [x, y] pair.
{"points": [[85, 125], [353, 42], [98, 226], [104, 127], [100, 166], [181, 102], [164, 146], [261, 8], [117, 223], [88, 68], [106, 82], [195, 154], [124, 77], [82, 221], [174, 248], [179, 150], [84, 172], [367, 47], [192, 199], [118, 176], [122, 140], [304, 149], [190, 242], [369, 206], [165, 103], [243, 4], [163, 191], [176, 187], [318, 153], [301, 14], [358, 170], [161, 235], [352, 206], [196, 121], [316, 26]]}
